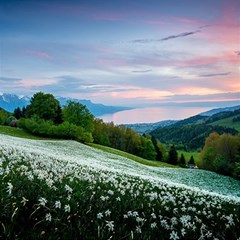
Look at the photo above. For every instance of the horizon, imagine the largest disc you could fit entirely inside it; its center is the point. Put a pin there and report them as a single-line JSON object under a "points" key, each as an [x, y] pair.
{"points": [[132, 54]]}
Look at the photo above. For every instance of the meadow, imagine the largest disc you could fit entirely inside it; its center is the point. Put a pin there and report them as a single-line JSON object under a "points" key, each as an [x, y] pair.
{"points": [[66, 190]]}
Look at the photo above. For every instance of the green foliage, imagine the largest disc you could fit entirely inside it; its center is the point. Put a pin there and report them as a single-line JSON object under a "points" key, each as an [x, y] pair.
{"points": [[44, 106], [64, 130], [78, 114], [221, 154], [157, 146], [3, 116], [124, 139], [191, 136]]}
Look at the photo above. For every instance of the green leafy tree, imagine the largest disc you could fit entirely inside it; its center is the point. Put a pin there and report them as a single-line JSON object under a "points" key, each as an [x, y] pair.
{"points": [[173, 155], [78, 114], [17, 113], [44, 106]]}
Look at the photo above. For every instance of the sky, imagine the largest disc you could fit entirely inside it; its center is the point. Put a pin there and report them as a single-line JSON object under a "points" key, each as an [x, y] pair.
{"points": [[128, 52]]}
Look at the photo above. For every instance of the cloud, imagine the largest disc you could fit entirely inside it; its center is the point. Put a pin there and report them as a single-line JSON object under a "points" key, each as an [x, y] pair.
{"points": [[214, 74], [142, 71], [238, 53], [180, 35], [184, 34], [40, 54], [9, 79]]}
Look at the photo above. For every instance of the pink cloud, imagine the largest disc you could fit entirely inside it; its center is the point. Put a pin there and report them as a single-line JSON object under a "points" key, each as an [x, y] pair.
{"points": [[40, 54]]}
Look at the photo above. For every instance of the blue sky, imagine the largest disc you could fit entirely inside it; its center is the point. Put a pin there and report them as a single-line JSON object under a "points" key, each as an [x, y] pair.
{"points": [[133, 53]]}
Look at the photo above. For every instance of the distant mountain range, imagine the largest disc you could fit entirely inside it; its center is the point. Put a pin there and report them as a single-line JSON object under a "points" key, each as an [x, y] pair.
{"points": [[11, 101]]}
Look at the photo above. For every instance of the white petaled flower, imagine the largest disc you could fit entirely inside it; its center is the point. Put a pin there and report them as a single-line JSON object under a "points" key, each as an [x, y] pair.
{"points": [[183, 232], [68, 189], [9, 188], [24, 201], [153, 215], [99, 215], [42, 201], [174, 235], [48, 217], [153, 225], [110, 225], [67, 208], [108, 212], [57, 204], [138, 229]]}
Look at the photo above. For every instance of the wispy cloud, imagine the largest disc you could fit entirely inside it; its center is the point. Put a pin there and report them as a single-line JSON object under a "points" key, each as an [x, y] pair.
{"points": [[40, 54], [214, 74], [180, 35], [238, 53], [142, 71], [9, 79], [184, 34]]}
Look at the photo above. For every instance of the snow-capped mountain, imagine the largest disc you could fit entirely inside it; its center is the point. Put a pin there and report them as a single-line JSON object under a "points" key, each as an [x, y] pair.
{"points": [[11, 101]]}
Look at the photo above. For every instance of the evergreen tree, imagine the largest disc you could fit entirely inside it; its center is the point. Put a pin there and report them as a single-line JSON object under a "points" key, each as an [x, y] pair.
{"points": [[17, 113], [159, 156], [191, 161], [172, 155], [182, 161]]}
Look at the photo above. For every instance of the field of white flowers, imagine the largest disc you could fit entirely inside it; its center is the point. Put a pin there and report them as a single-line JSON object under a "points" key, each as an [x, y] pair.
{"points": [[66, 190]]}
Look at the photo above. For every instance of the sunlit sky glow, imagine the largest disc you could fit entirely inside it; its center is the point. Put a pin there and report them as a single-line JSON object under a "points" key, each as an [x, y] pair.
{"points": [[128, 52]]}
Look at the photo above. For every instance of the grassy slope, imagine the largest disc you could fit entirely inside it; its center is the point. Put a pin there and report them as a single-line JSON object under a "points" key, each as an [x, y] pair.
{"points": [[227, 122], [132, 157], [17, 132]]}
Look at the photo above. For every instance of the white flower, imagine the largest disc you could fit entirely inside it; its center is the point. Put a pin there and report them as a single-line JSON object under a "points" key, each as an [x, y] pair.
{"points": [[9, 188], [174, 235], [57, 204], [67, 208], [24, 201], [110, 225], [48, 217], [99, 215], [68, 189], [42, 201], [108, 212], [138, 229], [183, 231], [153, 225]]}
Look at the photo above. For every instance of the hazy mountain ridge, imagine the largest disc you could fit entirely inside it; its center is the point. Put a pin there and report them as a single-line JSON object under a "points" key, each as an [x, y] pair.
{"points": [[11, 101]]}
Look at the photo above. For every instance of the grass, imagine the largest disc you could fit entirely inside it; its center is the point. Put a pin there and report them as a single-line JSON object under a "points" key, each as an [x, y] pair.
{"points": [[227, 122], [132, 157]]}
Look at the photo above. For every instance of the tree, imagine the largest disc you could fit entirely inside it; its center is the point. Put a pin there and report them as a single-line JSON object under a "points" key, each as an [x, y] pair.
{"points": [[78, 114], [182, 160], [172, 155], [191, 161], [159, 154], [17, 113], [44, 106]]}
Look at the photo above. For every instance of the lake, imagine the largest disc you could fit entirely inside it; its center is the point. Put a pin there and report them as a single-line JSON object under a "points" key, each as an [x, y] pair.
{"points": [[153, 114]]}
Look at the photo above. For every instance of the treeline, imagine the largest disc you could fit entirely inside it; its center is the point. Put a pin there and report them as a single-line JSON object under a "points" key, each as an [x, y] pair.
{"points": [[189, 137], [221, 154]]}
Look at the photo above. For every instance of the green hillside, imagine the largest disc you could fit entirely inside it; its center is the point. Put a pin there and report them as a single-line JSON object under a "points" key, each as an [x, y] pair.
{"points": [[228, 122]]}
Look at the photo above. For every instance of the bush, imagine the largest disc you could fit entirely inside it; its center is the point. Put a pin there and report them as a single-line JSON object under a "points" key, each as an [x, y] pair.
{"points": [[64, 130]]}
